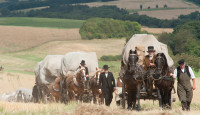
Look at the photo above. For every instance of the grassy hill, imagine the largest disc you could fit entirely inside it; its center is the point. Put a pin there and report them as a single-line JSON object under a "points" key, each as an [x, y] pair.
{"points": [[41, 22]]}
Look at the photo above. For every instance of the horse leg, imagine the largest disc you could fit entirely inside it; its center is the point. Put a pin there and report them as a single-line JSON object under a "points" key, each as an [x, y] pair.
{"points": [[151, 87], [94, 97], [138, 96], [170, 99], [130, 99], [159, 97]]}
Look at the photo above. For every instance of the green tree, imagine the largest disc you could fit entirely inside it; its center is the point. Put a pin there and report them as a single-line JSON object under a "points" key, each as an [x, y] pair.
{"points": [[100, 28]]}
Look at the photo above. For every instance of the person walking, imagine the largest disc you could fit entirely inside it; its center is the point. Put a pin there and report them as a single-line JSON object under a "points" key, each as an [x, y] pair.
{"points": [[107, 85], [184, 74]]}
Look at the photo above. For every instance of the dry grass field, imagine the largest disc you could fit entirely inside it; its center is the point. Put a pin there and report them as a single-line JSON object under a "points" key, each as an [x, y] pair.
{"points": [[148, 106], [135, 4], [167, 14], [157, 30], [174, 7], [13, 38]]}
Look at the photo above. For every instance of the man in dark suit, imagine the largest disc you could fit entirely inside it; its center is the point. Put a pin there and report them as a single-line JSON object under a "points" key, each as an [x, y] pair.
{"points": [[107, 85]]}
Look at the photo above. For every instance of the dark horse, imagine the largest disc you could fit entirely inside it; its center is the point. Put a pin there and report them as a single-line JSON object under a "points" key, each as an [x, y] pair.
{"points": [[133, 79], [163, 81]]}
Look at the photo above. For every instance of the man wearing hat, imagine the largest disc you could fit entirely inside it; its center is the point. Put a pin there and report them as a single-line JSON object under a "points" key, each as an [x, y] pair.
{"points": [[149, 59], [83, 65], [107, 85], [184, 73], [149, 65]]}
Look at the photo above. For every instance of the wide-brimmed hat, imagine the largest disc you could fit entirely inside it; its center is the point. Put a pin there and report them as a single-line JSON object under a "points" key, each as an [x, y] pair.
{"points": [[105, 67], [181, 61], [151, 49], [83, 62]]}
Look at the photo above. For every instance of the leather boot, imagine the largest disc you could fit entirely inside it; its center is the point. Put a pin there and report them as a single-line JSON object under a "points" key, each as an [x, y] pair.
{"points": [[184, 106], [188, 106]]}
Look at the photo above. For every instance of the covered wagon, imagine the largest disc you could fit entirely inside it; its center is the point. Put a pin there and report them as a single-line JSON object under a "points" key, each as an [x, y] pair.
{"points": [[46, 72], [137, 47]]}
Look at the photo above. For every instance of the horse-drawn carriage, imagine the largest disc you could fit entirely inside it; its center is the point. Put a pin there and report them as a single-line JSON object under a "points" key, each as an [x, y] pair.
{"points": [[138, 82], [55, 73]]}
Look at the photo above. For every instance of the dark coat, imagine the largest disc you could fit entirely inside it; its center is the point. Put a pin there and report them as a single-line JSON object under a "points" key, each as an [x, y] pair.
{"points": [[106, 84]]}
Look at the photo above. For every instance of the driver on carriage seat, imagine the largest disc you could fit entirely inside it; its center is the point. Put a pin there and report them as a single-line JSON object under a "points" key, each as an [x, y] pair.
{"points": [[83, 65], [149, 59], [149, 65]]}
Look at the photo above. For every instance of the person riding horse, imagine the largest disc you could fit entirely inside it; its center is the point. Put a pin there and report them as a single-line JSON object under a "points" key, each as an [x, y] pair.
{"points": [[149, 66], [87, 79]]}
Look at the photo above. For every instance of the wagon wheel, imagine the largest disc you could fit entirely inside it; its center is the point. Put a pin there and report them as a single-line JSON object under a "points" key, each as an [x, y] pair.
{"points": [[123, 96]]}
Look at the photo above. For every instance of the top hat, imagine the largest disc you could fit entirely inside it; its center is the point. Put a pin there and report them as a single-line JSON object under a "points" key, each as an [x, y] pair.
{"points": [[105, 67], [151, 49], [181, 61], [83, 62]]}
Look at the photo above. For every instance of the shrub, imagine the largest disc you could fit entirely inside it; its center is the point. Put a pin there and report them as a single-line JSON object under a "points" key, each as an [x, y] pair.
{"points": [[100, 28]]}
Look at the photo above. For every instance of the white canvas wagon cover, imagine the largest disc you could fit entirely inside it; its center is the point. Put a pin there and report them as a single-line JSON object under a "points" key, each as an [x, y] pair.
{"points": [[48, 69], [145, 40], [71, 61]]}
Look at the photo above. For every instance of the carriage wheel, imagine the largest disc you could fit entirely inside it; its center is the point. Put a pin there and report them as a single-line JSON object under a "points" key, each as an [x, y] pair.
{"points": [[123, 96]]}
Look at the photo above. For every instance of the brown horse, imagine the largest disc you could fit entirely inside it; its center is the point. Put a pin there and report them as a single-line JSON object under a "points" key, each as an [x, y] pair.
{"points": [[133, 79], [94, 84], [54, 89], [75, 84], [163, 81]]}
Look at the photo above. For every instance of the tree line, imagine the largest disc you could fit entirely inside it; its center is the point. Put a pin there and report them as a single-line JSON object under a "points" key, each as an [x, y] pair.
{"points": [[184, 43], [83, 12], [19, 5]]}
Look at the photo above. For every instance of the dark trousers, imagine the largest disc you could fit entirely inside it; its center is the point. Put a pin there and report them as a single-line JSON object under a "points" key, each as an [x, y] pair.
{"points": [[108, 98]]}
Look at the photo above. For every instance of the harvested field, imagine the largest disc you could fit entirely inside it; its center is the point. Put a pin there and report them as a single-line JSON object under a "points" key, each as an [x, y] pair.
{"points": [[157, 30], [173, 10], [90, 109], [135, 4], [167, 14], [14, 38]]}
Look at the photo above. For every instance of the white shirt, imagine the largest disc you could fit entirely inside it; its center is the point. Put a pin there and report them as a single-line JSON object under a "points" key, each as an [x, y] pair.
{"points": [[183, 70], [106, 75]]}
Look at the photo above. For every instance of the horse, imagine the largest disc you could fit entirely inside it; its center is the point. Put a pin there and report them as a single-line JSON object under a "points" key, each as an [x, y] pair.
{"points": [[36, 93], [163, 81], [40, 93], [75, 84], [133, 80], [55, 92], [94, 84]]}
